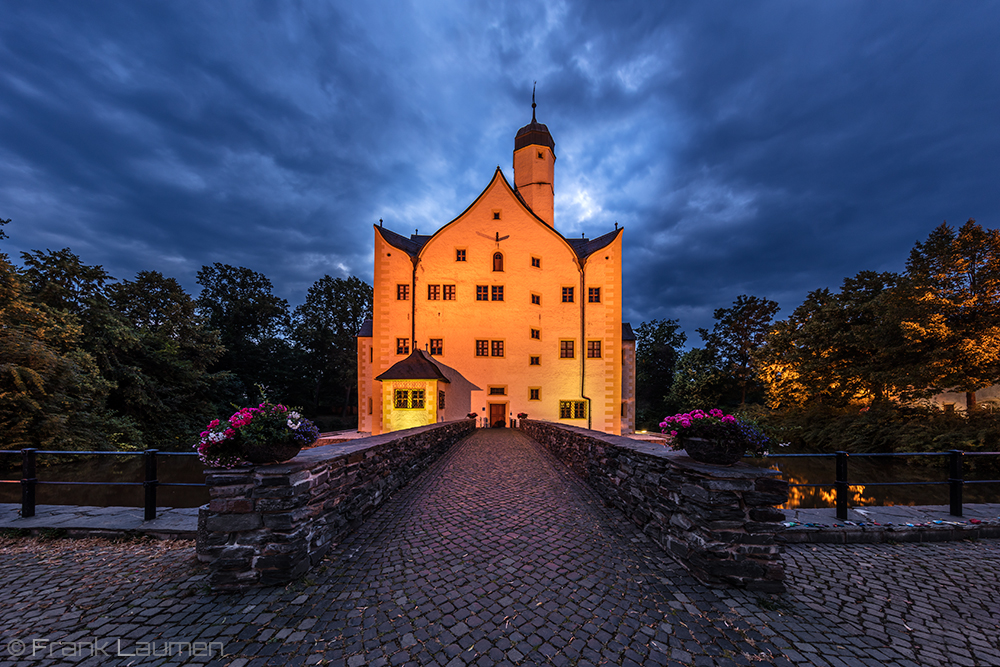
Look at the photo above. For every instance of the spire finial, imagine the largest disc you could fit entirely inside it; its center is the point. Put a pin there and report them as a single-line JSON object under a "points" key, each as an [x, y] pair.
{"points": [[533, 105]]}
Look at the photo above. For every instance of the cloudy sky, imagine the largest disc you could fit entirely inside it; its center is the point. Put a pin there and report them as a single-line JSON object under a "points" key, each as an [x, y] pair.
{"points": [[748, 148]]}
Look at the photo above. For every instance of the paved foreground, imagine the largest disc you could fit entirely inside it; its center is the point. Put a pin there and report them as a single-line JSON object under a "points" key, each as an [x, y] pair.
{"points": [[498, 555]]}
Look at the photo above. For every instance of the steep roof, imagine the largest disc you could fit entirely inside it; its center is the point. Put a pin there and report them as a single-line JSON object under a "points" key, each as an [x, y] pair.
{"points": [[417, 366], [627, 333], [366, 329]]}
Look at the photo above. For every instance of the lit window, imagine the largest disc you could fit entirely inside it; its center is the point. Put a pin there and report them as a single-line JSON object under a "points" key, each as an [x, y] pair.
{"points": [[567, 295], [497, 292], [566, 349], [496, 348], [417, 398], [498, 261], [402, 292], [536, 334], [433, 292], [449, 292], [482, 293], [594, 294], [593, 349], [536, 299], [402, 346], [536, 262], [565, 409], [482, 348], [460, 255], [534, 361], [535, 394], [437, 346], [402, 398], [572, 410]]}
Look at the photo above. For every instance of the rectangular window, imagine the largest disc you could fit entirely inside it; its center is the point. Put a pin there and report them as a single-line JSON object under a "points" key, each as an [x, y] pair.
{"points": [[437, 346], [440, 400], [566, 349], [402, 346], [536, 334], [567, 295], [535, 394], [565, 409], [417, 399], [593, 349], [460, 254], [536, 299], [572, 410], [536, 262], [594, 294], [579, 409], [402, 399], [496, 348], [498, 391], [497, 292], [402, 292], [482, 348], [482, 293], [370, 405], [433, 292], [449, 292], [534, 361]]}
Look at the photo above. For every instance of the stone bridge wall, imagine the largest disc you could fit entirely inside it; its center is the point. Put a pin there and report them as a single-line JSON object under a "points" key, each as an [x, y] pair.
{"points": [[718, 521], [270, 524]]}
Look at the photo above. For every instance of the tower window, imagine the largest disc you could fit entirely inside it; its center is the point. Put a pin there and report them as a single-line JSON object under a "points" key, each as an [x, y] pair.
{"points": [[536, 262], [567, 294], [593, 349], [536, 334], [497, 292], [594, 294], [536, 299], [541, 155], [534, 361], [496, 215], [402, 292], [482, 293], [437, 346], [567, 349], [433, 292], [449, 292], [402, 346], [460, 254], [498, 261]]}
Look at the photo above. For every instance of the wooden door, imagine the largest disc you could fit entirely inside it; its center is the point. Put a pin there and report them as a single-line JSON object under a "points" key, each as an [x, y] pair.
{"points": [[498, 415]]}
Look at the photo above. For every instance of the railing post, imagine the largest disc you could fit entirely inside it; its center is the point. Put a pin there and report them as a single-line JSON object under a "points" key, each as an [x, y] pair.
{"points": [[955, 481], [28, 482], [150, 484], [841, 486]]}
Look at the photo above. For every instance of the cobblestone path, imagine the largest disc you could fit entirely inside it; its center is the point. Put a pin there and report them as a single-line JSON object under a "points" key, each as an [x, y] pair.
{"points": [[498, 555]]}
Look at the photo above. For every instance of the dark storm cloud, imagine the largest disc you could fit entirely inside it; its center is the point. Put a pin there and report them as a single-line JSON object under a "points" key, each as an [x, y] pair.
{"points": [[759, 148]]}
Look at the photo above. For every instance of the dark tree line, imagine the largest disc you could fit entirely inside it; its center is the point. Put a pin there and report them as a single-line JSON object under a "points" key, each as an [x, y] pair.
{"points": [[88, 362]]}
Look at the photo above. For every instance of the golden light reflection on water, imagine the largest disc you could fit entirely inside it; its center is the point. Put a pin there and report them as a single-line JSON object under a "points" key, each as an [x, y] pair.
{"points": [[818, 496]]}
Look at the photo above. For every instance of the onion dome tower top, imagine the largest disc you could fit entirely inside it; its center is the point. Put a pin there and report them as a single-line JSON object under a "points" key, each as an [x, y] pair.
{"points": [[534, 133]]}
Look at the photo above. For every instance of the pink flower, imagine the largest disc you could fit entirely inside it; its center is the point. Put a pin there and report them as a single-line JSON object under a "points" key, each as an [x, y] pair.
{"points": [[728, 419]]}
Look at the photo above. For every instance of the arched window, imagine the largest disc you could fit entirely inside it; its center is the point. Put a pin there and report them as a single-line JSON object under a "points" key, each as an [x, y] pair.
{"points": [[498, 261]]}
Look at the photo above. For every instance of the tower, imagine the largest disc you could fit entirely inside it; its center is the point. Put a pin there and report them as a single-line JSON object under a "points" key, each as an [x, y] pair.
{"points": [[534, 167]]}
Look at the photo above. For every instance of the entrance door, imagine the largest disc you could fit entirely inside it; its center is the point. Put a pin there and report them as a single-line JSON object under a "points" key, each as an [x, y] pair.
{"points": [[498, 415]]}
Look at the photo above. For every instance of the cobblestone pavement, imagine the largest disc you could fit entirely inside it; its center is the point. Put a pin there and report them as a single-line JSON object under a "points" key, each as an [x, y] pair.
{"points": [[498, 555]]}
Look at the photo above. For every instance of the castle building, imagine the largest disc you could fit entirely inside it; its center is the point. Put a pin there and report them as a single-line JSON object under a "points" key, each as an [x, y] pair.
{"points": [[497, 314]]}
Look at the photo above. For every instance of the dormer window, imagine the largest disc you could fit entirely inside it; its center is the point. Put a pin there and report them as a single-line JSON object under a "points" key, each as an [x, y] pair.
{"points": [[498, 261]]}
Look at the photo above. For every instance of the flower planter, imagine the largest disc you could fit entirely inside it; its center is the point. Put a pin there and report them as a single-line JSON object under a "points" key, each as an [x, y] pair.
{"points": [[270, 452], [717, 452]]}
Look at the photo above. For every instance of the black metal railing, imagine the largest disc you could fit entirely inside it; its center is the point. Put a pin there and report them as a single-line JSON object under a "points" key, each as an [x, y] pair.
{"points": [[956, 479], [29, 480]]}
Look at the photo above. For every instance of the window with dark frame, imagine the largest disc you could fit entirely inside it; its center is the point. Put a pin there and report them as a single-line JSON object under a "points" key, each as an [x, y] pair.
{"points": [[534, 361], [566, 349], [534, 394], [496, 348], [579, 410], [594, 294], [402, 292], [498, 391], [402, 399], [437, 346], [536, 299], [440, 400], [417, 399], [567, 294], [497, 292], [536, 262], [449, 292], [593, 349], [460, 254], [433, 292], [482, 348], [536, 334], [402, 346], [496, 215], [482, 293]]}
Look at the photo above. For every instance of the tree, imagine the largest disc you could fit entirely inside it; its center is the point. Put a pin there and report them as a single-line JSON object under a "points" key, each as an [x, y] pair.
{"points": [[657, 348], [953, 323], [700, 381], [325, 329], [253, 325], [738, 333]]}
